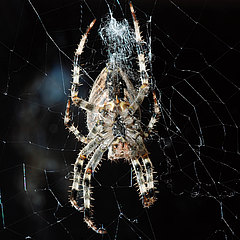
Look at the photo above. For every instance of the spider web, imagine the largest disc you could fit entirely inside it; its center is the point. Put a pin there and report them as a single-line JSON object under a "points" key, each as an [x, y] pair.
{"points": [[193, 59]]}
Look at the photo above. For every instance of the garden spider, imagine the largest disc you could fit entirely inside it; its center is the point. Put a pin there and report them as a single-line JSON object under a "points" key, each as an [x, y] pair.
{"points": [[113, 120]]}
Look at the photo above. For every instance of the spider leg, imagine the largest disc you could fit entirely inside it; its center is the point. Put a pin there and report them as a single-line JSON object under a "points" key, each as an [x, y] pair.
{"points": [[77, 191], [149, 198], [140, 180], [144, 89], [145, 180], [76, 74], [69, 124], [155, 116], [90, 168], [96, 130]]}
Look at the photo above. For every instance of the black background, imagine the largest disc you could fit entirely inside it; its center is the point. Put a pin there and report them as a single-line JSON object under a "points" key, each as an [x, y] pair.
{"points": [[32, 135]]}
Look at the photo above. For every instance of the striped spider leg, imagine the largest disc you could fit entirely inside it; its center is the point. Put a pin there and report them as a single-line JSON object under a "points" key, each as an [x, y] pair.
{"points": [[144, 89], [86, 183], [79, 102]]}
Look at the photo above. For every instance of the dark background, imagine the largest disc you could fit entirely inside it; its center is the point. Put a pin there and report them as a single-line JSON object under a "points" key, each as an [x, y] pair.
{"points": [[36, 151]]}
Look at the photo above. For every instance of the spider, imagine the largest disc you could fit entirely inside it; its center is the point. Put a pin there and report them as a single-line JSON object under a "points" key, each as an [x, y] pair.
{"points": [[113, 120]]}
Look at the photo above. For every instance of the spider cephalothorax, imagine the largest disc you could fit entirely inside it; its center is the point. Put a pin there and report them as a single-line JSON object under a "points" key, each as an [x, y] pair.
{"points": [[114, 124]]}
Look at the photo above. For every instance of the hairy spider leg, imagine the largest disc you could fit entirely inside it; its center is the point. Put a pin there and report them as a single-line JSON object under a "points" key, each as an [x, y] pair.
{"points": [[89, 169], [155, 117], [79, 102], [77, 191], [144, 89], [148, 195], [149, 198], [74, 91], [69, 124], [140, 179]]}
